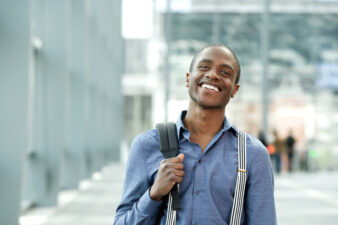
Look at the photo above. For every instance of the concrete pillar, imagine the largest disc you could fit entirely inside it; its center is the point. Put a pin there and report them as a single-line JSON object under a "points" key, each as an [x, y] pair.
{"points": [[34, 164], [117, 59], [89, 85], [54, 56], [14, 72], [74, 162]]}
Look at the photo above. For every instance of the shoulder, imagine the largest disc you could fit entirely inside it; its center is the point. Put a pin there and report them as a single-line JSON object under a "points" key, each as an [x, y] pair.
{"points": [[145, 146], [255, 149], [147, 137], [258, 159], [253, 144], [145, 141]]}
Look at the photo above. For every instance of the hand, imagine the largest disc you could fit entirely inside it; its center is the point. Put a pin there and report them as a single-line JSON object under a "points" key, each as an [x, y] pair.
{"points": [[170, 172]]}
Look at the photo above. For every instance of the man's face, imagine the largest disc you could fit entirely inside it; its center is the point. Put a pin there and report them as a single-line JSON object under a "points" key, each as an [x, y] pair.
{"points": [[211, 83]]}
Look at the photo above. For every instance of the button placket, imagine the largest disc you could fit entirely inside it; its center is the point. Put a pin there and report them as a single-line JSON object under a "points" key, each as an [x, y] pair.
{"points": [[197, 186]]}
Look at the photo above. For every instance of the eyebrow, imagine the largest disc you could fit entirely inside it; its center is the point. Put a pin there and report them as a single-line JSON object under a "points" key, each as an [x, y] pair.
{"points": [[206, 60], [210, 61]]}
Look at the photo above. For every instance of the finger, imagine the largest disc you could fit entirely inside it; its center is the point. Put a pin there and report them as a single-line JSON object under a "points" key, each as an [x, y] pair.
{"points": [[179, 173], [177, 159], [181, 156], [169, 165], [178, 179], [175, 179], [172, 174]]}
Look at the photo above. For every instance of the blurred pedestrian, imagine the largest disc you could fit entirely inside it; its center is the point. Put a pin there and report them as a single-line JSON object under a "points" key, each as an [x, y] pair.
{"points": [[290, 143], [269, 147], [262, 138], [280, 148]]}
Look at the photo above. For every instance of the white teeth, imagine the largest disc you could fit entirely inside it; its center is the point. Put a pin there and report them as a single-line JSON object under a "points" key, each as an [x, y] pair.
{"points": [[210, 87]]}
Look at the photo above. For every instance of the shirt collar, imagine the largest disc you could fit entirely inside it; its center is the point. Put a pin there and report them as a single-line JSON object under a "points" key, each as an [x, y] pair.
{"points": [[180, 125]]}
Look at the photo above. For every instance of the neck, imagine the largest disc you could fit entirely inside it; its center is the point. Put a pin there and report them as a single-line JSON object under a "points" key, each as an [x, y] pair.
{"points": [[206, 121]]}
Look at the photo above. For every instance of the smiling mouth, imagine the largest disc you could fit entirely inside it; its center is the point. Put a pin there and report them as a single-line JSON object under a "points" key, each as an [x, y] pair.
{"points": [[210, 87]]}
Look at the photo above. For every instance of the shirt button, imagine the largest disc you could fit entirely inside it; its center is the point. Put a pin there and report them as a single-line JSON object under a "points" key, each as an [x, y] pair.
{"points": [[197, 192]]}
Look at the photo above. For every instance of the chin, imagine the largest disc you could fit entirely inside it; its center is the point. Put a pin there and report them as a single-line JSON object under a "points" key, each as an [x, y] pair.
{"points": [[211, 106], [209, 103]]}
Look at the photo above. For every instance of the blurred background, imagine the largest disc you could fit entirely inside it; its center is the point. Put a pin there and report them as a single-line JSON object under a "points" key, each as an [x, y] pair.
{"points": [[81, 78]]}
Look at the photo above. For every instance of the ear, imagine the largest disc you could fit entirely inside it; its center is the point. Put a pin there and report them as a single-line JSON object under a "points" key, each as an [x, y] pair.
{"points": [[234, 91], [187, 76]]}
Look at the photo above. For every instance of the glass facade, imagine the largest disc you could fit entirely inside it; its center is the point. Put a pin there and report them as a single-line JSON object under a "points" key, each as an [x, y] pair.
{"points": [[302, 63]]}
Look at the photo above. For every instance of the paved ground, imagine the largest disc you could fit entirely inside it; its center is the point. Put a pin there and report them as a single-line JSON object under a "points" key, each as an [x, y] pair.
{"points": [[93, 204], [301, 198], [309, 199]]}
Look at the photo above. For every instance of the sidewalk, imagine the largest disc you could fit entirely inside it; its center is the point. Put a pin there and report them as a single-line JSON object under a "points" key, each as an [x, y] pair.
{"points": [[307, 198], [301, 198], [93, 204]]}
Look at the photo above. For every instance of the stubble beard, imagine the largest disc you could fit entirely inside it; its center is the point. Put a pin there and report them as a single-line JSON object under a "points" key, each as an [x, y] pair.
{"points": [[206, 106]]}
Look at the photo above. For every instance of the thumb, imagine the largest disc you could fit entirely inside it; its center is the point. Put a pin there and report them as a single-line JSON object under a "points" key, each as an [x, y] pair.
{"points": [[177, 159], [181, 156]]}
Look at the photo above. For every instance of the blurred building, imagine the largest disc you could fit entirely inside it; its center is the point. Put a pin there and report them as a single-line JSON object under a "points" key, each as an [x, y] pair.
{"points": [[60, 97], [301, 75]]}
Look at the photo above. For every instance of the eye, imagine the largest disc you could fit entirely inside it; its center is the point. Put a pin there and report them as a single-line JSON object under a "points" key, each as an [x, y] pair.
{"points": [[203, 67], [224, 72]]}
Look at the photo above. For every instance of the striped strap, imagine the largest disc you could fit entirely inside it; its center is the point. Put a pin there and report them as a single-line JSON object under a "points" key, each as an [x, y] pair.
{"points": [[171, 213], [241, 180]]}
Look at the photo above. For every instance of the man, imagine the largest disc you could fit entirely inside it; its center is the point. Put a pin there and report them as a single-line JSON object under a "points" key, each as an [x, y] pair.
{"points": [[280, 149], [290, 144], [206, 167]]}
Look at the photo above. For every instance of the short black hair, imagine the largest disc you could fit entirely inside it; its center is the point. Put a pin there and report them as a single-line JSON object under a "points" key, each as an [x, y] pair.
{"points": [[217, 45]]}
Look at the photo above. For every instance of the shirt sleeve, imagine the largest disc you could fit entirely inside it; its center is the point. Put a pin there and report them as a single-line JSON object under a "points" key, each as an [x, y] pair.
{"points": [[260, 203], [136, 206]]}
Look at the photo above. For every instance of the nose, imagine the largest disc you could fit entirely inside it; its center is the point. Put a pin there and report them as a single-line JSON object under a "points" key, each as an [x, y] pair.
{"points": [[212, 74]]}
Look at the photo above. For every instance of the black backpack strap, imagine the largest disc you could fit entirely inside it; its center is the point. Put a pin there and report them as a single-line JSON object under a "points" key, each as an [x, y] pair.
{"points": [[163, 138], [169, 147], [173, 148]]}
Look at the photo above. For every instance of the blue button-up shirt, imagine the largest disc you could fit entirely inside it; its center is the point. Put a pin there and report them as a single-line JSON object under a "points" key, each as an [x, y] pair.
{"points": [[207, 190]]}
